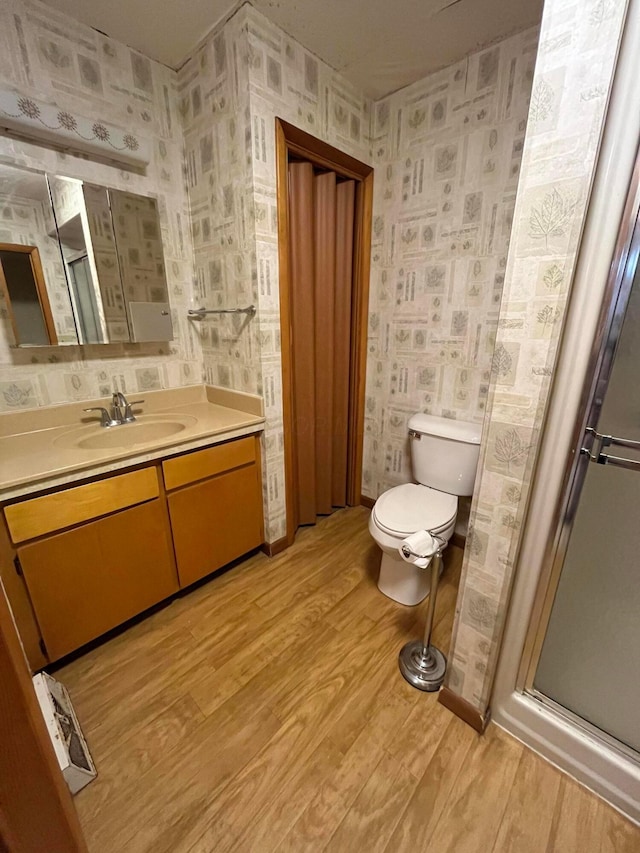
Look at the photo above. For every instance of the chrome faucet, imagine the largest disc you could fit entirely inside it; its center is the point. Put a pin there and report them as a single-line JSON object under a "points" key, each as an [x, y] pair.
{"points": [[123, 407], [105, 418], [118, 406], [120, 411]]}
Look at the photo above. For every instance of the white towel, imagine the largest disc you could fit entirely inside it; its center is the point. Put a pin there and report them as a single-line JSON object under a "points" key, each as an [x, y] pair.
{"points": [[418, 548]]}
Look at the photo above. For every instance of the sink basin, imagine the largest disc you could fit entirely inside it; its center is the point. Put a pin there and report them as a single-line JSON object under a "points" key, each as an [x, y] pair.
{"points": [[146, 428]]}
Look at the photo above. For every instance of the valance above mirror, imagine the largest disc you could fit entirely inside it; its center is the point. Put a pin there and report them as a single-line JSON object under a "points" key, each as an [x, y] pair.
{"points": [[80, 263]]}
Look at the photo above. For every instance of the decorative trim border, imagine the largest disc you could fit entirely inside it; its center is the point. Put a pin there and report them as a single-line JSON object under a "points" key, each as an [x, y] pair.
{"points": [[463, 709], [368, 502], [38, 120]]}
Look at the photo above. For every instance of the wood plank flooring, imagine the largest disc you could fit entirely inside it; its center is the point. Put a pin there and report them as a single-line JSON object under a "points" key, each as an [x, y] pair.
{"points": [[264, 711]]}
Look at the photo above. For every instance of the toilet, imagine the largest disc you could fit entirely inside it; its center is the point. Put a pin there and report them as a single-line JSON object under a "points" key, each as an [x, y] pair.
{"points": [[444, 457]]}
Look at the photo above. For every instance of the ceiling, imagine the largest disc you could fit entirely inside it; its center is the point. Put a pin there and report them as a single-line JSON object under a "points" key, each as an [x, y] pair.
{"points": [[379, 45]]}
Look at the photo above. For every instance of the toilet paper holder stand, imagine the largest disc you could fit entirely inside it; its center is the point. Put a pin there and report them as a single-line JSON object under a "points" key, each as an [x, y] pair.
{"points": [[421, 663], [409, 553]]}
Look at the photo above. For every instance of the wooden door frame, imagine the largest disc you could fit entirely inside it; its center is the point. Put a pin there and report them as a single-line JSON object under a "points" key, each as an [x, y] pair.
{"points": [[292, 140], [36, 808]]}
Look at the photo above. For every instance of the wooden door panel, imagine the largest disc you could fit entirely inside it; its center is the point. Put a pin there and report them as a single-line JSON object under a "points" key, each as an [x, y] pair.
{"points": [[36, 809], [90, 579], [216, 521], [345, 207]]}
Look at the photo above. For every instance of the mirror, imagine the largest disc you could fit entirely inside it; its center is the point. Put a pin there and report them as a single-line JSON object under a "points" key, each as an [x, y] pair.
{"points": [[33, 284], [87, 243], [91, 266], [141, 262]]}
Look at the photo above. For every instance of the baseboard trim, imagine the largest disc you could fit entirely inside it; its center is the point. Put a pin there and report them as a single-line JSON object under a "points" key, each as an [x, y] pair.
{"points": [[458, 540], [463, 709], [273, 548], [368, 502]]}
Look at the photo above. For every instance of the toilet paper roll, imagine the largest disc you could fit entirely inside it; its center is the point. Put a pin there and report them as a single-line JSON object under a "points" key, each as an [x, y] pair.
{"points": [[418, 548]]}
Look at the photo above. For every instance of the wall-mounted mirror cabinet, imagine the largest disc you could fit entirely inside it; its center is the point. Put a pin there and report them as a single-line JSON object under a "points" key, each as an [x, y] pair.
{"points": [[80, 264]]}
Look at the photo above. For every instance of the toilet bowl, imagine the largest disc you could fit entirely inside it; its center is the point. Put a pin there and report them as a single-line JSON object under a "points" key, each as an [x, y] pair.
{"points": [[399, 513], [444, 457]]}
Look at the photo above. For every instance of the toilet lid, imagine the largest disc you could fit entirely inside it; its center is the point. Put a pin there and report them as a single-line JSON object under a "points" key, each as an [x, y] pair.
{"points": [[405, 509]]}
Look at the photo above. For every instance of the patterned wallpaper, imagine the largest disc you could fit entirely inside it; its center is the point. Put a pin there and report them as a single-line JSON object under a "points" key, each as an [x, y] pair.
{"points": [[49, 56], [578, 45], [447, 154], [247, 73], [214, 108]]}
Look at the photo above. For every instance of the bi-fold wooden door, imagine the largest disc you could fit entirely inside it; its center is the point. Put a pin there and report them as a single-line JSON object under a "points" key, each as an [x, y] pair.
{"points": [[321, 222]]}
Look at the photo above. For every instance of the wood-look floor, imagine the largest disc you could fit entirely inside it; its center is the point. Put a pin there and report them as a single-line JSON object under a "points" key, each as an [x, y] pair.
{"points": [[265, 711]]}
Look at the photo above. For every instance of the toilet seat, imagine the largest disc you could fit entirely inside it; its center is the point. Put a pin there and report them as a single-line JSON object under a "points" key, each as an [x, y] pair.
{"points": [[406, 509]]}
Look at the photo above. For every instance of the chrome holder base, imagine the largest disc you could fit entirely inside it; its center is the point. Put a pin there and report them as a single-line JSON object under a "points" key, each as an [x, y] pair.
{"points": [[420, 663], [422, 667]]}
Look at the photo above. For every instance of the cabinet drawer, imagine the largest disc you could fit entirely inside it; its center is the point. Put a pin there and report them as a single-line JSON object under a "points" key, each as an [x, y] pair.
{"points": [[207, 463], [38, 516], [92, 578]]}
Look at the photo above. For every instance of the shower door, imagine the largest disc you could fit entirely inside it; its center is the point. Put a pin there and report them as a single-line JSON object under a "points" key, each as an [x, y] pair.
{"points": [[590, 658]]}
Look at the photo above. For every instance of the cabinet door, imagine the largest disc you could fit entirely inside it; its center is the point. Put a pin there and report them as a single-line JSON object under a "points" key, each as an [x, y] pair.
{"points": [[216, 521], [92, 578]]}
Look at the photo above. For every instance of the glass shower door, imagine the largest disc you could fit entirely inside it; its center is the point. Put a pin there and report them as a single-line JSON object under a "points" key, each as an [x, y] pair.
{"points": [[590, 659]]}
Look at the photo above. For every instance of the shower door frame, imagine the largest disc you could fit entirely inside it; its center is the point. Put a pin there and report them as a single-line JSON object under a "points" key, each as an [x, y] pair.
{"points": [[601, 272], [598, 372], [624, 267]]}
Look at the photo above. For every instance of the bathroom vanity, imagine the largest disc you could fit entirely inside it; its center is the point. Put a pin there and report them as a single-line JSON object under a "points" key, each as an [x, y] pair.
{"points": [[100, 524]]}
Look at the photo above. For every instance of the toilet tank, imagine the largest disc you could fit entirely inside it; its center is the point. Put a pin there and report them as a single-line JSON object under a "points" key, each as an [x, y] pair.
{"points": [[444, 453]]}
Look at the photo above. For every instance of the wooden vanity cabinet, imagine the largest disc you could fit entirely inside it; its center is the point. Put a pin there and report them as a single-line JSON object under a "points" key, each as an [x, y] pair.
{"points": [[96, 574], [94, 555], [215, 506]]}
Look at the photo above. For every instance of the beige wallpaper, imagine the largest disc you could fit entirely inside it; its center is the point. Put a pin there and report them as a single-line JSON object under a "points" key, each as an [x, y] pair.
{"points": [[214, 108], [48, 56], [447, 154], [578, 45]]}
